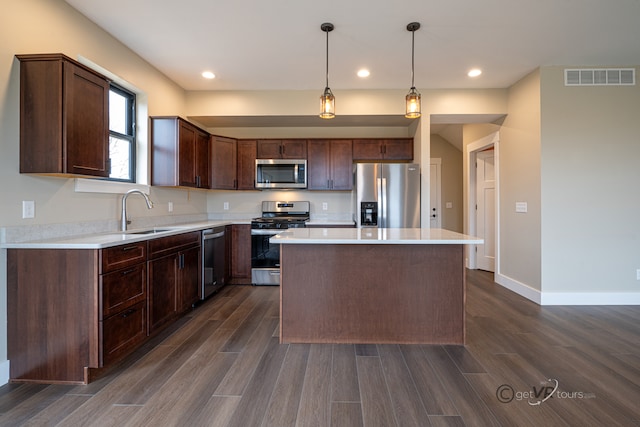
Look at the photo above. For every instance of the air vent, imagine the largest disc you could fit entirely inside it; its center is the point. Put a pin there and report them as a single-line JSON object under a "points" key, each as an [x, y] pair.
{"points": [[600, 77]]}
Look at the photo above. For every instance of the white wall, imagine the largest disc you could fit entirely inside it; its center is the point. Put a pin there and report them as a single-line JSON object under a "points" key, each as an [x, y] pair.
{"points": [[590, 191], [519, 153]]}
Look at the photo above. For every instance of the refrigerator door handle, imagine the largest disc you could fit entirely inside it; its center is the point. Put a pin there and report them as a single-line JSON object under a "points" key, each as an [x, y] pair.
{"points": [[384, 202], [380, 208]]}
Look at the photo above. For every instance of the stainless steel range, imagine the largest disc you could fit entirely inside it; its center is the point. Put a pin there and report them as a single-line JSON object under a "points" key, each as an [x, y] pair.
{"points": [[276, 217]]}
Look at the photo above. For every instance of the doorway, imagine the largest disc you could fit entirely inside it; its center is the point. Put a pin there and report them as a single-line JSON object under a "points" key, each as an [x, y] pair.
{"points": [[483, 202]]}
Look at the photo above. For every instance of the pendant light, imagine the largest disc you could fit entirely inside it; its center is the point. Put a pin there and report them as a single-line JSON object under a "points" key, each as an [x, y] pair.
{"points": [[327, 100], [413, 97]]}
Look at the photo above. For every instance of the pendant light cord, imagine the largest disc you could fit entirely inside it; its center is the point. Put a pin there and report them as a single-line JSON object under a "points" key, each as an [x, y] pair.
{"points": [[413, 40], [327, 72]]}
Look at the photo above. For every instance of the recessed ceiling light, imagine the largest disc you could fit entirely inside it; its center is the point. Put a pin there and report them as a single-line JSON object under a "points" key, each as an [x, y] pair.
{"points": [[474, 72], [208, 75], [363, 73]]}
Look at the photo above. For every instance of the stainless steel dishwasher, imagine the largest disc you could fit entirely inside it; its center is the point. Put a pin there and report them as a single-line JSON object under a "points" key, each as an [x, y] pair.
{"points": [[213, 261]]}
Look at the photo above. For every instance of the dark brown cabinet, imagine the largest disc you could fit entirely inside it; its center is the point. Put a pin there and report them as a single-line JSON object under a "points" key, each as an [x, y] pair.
{"points": [[179, 153], [383, 149], [241, 253], [123, 294], [330, 165], [246, 171], [94, 306], [64, 117], [282, 149], [223, 163], [174, 263]]}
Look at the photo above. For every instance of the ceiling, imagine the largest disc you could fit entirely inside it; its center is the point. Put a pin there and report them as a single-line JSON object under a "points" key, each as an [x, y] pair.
{"points": [[278, 44]]}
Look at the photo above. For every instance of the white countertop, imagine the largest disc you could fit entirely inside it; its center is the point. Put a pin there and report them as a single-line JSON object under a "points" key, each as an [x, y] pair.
{"points": [[105, 240], [373, 236]]}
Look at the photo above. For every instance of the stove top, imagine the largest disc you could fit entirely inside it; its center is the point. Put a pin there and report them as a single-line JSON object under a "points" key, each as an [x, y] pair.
{"points": [[282, 215]]}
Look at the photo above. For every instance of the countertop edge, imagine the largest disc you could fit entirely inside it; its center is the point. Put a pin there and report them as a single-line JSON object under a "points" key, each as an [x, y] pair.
{"points": [[115, 238]]}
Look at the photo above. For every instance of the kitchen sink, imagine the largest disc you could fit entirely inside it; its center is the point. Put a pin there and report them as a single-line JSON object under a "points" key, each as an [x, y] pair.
{"points": [[151, 231]]}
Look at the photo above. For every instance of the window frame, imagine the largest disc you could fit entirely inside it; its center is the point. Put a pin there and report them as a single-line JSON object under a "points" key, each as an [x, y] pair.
{"points": [[130, 125]]}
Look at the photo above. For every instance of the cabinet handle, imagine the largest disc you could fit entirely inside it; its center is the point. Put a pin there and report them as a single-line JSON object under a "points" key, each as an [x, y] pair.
{"points": [[198, 181], [128, 313], [129, 248], [181, 261], [124, 273]]}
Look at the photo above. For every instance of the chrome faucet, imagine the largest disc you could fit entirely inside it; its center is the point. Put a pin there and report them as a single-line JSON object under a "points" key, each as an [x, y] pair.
{"points": [[124, 206]]}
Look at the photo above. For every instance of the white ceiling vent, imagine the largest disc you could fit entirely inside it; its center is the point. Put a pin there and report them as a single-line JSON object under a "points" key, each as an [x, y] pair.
{"points": [[600, 77]]}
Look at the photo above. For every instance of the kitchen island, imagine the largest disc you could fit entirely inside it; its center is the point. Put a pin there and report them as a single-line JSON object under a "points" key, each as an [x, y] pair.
{"points": [[372, 285]]}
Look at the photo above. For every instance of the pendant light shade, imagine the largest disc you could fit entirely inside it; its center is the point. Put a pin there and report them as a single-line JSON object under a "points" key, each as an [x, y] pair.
{"points": [[327, 100], [413, 107]]}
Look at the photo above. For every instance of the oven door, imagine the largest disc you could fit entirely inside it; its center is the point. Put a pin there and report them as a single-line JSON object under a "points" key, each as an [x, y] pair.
{"points": [[265, 258]]}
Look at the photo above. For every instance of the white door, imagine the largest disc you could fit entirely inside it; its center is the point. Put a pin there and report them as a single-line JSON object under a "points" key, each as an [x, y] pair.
{"points": [[435, 216], [485, 218]]}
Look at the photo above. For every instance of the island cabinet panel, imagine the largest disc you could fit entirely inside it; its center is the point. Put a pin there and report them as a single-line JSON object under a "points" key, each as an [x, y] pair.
{"points": [[343, 293], [383, 149], [179, 153], [330, 165], [246, 173], [282, 149], [223, 163], [64, 117], [52, 318]]}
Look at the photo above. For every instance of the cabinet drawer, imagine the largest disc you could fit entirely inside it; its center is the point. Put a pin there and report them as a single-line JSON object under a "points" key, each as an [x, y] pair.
{"points": [[123, 256], [122, 288], [123, 331], [166, 245]]}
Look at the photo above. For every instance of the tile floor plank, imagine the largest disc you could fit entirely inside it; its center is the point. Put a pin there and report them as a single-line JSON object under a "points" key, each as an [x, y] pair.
{"points": [[315, 401], [283, 407], [407, 405], [344, 375], [377, 408]]}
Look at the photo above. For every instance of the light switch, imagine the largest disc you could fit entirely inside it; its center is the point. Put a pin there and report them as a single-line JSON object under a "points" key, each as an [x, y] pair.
{"points": [[448, 205], [28, 209], [521, 207]]}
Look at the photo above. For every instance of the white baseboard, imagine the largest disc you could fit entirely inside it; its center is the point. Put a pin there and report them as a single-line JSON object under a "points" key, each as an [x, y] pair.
{"points": [[4, 372], [568, 298], [590, 298], [519, 288]]}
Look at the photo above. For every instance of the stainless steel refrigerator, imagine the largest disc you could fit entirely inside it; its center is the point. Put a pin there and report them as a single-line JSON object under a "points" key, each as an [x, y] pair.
{"points": [[387, 195]]}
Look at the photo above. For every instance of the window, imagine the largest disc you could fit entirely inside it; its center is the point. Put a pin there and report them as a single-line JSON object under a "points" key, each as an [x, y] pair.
{"points": [[122, 140]]}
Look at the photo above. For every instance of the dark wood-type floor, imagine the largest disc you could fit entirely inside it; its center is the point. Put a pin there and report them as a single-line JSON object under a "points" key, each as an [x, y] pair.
{"points": [[223, 366]]}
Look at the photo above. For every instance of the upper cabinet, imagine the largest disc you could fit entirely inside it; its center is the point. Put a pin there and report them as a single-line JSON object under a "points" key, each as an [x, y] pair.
{"points": [[64, 117], [223, 163], [246, 172], [282, 149], [180, 153], [330, 164], [383, 149]]}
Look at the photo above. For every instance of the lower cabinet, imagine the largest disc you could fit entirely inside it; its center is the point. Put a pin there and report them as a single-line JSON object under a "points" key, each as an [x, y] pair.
{"points": [[174, 277], [241, 253], [94, 306]]}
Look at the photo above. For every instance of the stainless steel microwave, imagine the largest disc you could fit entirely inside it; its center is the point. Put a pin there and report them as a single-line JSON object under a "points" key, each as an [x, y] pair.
{"points": [[281, 173]]}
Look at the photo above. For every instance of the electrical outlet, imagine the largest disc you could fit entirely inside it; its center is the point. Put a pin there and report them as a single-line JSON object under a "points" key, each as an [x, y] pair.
{"points": [[28, 209], [170, 206], [638, 274], [325, 206], [225, 206]]}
